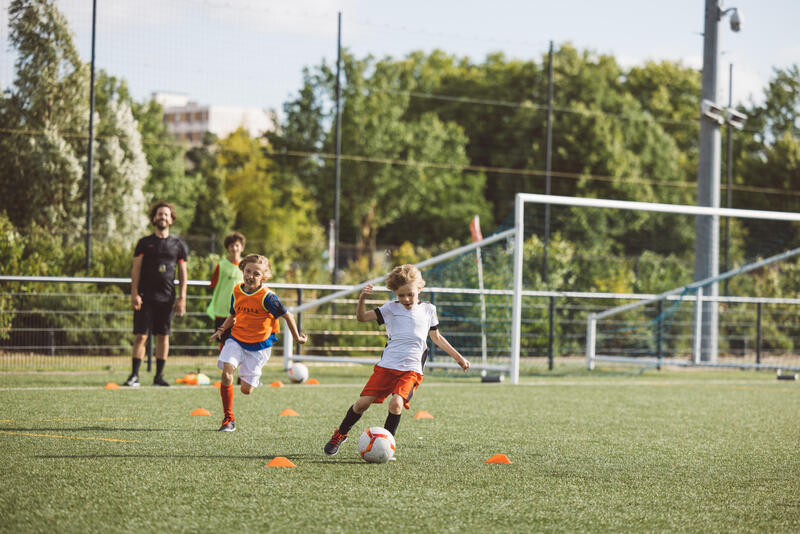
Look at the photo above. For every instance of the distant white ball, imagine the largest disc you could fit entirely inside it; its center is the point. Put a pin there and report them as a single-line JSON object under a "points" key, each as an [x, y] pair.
{"points": [[376, 445], [298, 373]]}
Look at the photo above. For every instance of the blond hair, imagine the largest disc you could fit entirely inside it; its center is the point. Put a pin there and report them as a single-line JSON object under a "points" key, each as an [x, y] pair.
{"points": [[403, 275], [261, 261]]}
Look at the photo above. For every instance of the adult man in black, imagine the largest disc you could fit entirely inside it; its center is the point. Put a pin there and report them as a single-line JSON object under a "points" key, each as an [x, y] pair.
{"points": [[153, 290]]}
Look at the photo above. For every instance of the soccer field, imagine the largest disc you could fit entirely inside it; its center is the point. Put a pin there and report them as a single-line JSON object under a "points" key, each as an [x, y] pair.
{"points": [[697, 451]]}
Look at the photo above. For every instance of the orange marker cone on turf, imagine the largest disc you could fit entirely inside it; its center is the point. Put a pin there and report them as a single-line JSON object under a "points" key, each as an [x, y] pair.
{"points": [[280, 461], [111, 385], [218, 384], [290, 412], [201, 411], [422, 414], [277, 384], [498, 459], [312, 382]]}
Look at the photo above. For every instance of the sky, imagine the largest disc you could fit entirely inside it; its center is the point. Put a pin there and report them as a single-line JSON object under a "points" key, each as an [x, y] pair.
{"points": [[252, 52]]}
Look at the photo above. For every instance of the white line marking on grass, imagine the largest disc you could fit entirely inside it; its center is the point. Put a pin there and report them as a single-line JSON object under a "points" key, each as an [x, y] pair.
{"points": [[64, 437]]}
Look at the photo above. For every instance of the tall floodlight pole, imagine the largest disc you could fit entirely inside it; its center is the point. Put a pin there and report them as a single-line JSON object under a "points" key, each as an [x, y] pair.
{"points": [[729, 175], [548, 158], [712, 116], [90, 164], [337, 165]]}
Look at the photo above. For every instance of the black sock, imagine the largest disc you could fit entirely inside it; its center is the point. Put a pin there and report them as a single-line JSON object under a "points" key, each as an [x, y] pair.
{"points": [[349, 420], [392, 420], [160, 366], [137, 362]]}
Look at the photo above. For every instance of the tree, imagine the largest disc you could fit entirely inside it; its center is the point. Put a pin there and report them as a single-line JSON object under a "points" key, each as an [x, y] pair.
{"points": [[385, 184], [768, 156], [120, 166], [214, 214], [46, 111], [168, 179], [273, 210]]}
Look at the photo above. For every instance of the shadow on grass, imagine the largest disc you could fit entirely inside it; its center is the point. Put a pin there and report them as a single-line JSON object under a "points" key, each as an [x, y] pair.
{"points": [[95, 429], [312, 458]]}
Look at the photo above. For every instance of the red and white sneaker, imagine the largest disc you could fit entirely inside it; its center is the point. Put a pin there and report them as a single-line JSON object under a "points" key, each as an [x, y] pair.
{"points": [[332, 447]]}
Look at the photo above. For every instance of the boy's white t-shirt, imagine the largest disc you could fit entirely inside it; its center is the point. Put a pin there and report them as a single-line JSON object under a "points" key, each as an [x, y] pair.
{"points": [[408, 334]]}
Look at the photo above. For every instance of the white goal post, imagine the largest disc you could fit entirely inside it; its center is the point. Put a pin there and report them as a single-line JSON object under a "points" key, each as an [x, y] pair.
{"points": [[519, 218]]}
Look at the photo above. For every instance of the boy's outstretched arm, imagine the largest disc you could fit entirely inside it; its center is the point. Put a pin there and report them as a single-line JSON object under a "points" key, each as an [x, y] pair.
{"points": [[221, 330], [298, 336], [361, 309], [443, 344]]}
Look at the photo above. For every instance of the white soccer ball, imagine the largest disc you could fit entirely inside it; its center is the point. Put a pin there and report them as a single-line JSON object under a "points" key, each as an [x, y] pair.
{"points": [[298, 373], [376, 445]]}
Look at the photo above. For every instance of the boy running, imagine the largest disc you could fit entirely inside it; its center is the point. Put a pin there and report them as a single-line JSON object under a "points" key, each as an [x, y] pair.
{"points": [[253, 320], [408, 322]]}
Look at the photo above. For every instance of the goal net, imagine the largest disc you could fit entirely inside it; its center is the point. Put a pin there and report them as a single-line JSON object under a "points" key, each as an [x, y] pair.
{"points": [[644, 254]]}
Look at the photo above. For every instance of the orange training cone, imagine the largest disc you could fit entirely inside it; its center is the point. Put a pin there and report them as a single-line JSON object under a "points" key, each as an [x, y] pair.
{"points": [[498, 459], [312, 382], [422, 414], [111, 385], [218, 384], [201, 411], [277, 384], [280, 461], [290, 412]]}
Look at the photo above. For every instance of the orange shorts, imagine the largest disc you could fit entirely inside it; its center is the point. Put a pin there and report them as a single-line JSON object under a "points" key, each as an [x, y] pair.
{"points": [[385, 382]]}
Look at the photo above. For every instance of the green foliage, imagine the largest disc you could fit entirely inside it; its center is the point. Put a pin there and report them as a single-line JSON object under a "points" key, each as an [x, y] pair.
{"points": [[384, 187], [47, 112], [273, 210], [168, 179]]}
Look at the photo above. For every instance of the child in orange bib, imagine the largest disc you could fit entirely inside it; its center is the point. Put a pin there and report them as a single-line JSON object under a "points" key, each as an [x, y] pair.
{"points": [[253, 321]]}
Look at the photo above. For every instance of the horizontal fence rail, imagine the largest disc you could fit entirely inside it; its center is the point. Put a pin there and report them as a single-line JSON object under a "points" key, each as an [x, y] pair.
{"points": [[90, 320]]}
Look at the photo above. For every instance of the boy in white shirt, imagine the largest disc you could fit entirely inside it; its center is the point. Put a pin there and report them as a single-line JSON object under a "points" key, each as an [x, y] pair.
{"points": [[408, 322]]}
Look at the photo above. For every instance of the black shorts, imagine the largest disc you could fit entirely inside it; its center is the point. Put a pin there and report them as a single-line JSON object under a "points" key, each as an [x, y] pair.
{"points": [[153, 318]]}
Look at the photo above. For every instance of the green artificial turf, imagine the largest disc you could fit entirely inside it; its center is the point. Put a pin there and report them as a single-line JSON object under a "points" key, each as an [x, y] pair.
{"points": [[613, 451]]}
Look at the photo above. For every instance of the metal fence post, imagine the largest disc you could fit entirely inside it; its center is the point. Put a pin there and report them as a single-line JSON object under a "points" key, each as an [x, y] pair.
{"points": [[299, 318], [552, 333], [758, 333]]}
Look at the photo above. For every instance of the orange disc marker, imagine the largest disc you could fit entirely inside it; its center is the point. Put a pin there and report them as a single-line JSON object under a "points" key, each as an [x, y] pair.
{"points": [[277, 384], [422, 414], [312, 382], [201, 411], [498, 459], [111, 385], [280, 461], [290, 412], [218, 384]]}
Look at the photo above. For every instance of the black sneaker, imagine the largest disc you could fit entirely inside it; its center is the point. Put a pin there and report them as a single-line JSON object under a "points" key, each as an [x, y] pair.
{"points": [[332, 447], [132, 381], [158, 380], [228, 425]]}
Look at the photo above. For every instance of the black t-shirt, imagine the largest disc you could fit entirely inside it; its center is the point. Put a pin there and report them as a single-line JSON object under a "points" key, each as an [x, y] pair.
{"points": [[160, 256]]}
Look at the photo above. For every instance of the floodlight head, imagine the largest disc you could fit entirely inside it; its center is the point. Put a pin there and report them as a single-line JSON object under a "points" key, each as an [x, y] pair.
{"points": [[736, 20]]}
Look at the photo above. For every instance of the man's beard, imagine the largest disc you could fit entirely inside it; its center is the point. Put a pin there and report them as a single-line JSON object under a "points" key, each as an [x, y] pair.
{"points": [[161, 225]]}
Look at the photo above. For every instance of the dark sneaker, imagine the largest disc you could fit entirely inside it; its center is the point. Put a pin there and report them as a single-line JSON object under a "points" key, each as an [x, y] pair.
{"points": [[132, 381], [332, 447], [158, 380], [227, 425]]}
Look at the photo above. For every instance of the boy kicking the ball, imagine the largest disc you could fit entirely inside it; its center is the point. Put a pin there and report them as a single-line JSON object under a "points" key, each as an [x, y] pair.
{"points": [[408, 322], [253, 320]]}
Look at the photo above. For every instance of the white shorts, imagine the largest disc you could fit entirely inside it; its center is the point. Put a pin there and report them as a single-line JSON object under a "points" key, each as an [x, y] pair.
{"points": [[249, 362]]}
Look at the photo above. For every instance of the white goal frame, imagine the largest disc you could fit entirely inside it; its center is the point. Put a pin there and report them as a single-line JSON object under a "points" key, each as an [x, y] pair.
{"points": [[519, 218]]}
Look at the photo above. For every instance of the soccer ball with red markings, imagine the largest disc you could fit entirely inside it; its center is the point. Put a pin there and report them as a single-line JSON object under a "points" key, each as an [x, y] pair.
{"points": [[376, 445], [298, 373]]}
